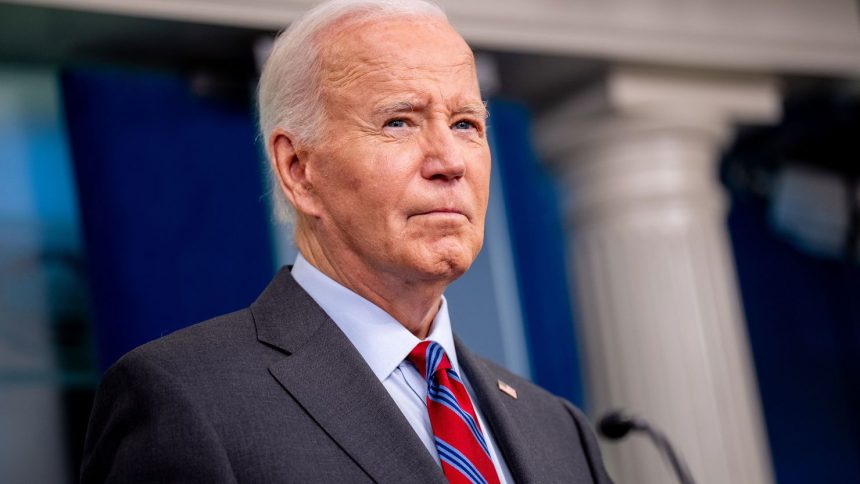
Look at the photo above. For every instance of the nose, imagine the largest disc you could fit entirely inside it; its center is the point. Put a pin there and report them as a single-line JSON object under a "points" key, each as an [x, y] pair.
{"points": [[443, 159]]}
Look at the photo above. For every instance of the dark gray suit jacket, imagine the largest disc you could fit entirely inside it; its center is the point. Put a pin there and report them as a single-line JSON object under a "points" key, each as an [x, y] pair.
{"points": [[277, 393]]}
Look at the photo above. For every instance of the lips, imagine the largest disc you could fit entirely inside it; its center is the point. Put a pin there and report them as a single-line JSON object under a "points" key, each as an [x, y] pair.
{"points": [[441, 211], [445, 210]]}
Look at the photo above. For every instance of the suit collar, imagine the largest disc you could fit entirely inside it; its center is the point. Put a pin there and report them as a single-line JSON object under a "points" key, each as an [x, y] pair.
{"points": [[327, 376], [285, 316]]}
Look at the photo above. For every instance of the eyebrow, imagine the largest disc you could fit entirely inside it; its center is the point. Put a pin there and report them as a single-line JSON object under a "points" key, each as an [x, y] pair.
{"points": [[477, 109], [396, 107]]}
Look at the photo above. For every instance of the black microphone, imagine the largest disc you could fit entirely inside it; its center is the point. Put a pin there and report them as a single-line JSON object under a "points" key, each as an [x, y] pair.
{"points": [[616, 424]]}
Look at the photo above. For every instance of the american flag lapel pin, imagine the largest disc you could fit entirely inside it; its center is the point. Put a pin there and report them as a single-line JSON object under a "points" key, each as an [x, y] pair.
{"points": [[507, 389]]}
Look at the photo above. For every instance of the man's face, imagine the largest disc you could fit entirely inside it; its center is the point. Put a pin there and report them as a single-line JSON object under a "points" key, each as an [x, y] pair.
{"points": [[402, 175]]}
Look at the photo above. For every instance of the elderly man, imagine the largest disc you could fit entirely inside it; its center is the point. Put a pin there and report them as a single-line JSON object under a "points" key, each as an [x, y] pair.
{"points": [[345, 369]]}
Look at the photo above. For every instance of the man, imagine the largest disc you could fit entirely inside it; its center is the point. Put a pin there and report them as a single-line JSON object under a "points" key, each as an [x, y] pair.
{"points": [[345, 368]]}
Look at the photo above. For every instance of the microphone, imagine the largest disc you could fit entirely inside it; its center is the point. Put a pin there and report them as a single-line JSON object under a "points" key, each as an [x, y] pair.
{"points": [[616, 424]]}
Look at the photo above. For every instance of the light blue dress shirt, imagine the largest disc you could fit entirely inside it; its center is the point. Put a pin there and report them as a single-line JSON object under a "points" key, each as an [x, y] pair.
{"points": [[384, 344]]}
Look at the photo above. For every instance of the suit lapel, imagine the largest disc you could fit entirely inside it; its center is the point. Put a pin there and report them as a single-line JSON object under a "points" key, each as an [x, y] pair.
{"points": [[501, 412], [328, 377]]}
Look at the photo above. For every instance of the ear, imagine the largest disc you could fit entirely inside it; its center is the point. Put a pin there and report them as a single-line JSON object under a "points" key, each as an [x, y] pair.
{"points": [[291, 167]]}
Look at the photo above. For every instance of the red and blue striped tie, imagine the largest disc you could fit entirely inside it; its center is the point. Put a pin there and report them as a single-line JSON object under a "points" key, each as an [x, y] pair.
{"points": [[460, 443]]}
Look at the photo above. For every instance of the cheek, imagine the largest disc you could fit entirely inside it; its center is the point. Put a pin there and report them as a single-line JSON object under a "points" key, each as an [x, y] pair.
{"points": [[347, 172], [377, 185], [353, 183], [481, 179], [391, 172]]}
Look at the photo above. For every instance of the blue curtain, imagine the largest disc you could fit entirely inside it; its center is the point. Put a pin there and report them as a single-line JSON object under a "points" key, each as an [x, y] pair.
{"points": [[174, 219], [803, 315]]}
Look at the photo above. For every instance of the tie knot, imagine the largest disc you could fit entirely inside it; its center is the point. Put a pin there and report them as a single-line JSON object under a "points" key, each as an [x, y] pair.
{"points": [[429, 357]]}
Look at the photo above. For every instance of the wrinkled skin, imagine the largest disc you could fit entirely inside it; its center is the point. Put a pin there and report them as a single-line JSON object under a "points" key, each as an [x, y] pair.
{"points": [[391, 203]]}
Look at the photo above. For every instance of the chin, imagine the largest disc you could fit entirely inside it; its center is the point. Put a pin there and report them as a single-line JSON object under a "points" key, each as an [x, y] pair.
{"points": [[450, 268], [447, 262]]}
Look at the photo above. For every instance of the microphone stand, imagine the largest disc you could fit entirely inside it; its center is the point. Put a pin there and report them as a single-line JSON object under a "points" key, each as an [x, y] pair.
{"points": [[616, 425]]}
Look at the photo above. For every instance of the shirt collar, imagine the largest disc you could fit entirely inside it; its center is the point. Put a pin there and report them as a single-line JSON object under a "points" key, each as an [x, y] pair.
{"points": [[382, 341]]}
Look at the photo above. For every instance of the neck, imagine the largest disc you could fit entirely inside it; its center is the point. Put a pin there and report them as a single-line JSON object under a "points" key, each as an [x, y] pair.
{"points": [[412, 302]]}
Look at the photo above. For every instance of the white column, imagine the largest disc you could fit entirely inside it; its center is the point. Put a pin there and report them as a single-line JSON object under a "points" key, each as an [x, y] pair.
{"points": [[661, 325]]}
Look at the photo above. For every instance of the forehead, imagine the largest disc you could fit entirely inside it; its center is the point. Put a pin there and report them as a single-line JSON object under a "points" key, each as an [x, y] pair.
{"points": [[397, 54]]}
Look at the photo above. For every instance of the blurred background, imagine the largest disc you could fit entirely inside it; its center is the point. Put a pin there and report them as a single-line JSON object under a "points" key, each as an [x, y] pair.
{"points": [[673, 229]]}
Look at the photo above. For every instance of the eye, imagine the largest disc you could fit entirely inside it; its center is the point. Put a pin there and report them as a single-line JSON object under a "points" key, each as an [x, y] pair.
{"points": [[464, 124], [395, 123]]}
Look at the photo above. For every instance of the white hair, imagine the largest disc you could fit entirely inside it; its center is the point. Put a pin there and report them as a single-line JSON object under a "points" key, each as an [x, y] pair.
{"points": [[289, 93]]}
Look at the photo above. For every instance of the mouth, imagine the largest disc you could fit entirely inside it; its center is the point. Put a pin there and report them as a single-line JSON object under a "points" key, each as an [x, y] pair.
{"points": [[442, 212]]}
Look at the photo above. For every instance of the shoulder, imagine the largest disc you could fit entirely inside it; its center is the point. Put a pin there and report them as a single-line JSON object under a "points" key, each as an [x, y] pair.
{"points": [[207, 342], [201, 360], [165, 365], [149, 422], [283, 316]]}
